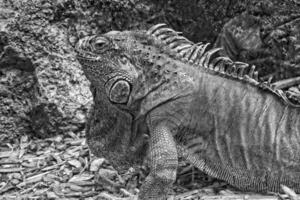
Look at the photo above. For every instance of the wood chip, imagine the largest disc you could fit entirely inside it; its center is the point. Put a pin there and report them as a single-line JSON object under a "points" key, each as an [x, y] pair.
{"points": [[33, 179], [53, 166], [84, 183], [29, 164], [81, 177], [78, 188], [96, 164], [75, 163], [5, 154], [78, 142], [10, 170], [73, 194]]}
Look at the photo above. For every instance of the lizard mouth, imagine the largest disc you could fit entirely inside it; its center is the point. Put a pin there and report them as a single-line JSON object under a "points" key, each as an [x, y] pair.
{"points": [[85, 55]]}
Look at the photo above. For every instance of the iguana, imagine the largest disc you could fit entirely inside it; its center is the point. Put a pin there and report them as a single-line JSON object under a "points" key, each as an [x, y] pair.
{"points": [[193, 103]]}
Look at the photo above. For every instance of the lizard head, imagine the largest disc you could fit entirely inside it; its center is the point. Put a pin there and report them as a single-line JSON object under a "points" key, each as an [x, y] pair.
{"points": [[112, 72], [129, 66], [128, 71], [106, 64]]}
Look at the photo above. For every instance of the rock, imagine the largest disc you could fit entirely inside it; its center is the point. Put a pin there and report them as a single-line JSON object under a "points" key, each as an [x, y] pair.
{"points": [[43, 91], [267, 35], [11, 58], [16, 90], [240, 34]]}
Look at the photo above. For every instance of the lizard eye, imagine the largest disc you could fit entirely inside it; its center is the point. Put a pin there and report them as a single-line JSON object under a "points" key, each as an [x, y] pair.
{"points": [[100, 43], [119, 92]]}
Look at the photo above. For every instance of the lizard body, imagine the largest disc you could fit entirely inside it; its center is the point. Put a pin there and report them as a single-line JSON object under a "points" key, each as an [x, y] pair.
{"points": [[192, 103]]}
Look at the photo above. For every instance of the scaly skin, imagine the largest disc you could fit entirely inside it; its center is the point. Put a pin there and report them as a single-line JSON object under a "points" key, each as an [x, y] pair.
{"points": [[192, 103]]}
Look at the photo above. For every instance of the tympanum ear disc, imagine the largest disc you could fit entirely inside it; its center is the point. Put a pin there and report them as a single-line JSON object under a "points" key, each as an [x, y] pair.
{"points": [[119, 92]]}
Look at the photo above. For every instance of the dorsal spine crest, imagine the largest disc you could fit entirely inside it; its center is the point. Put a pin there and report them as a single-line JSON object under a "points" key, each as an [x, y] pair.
{"points": [[198, 56]]}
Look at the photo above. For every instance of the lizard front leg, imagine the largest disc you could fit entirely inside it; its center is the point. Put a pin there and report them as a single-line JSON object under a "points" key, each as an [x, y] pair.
{"points": [[163, 164]]}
